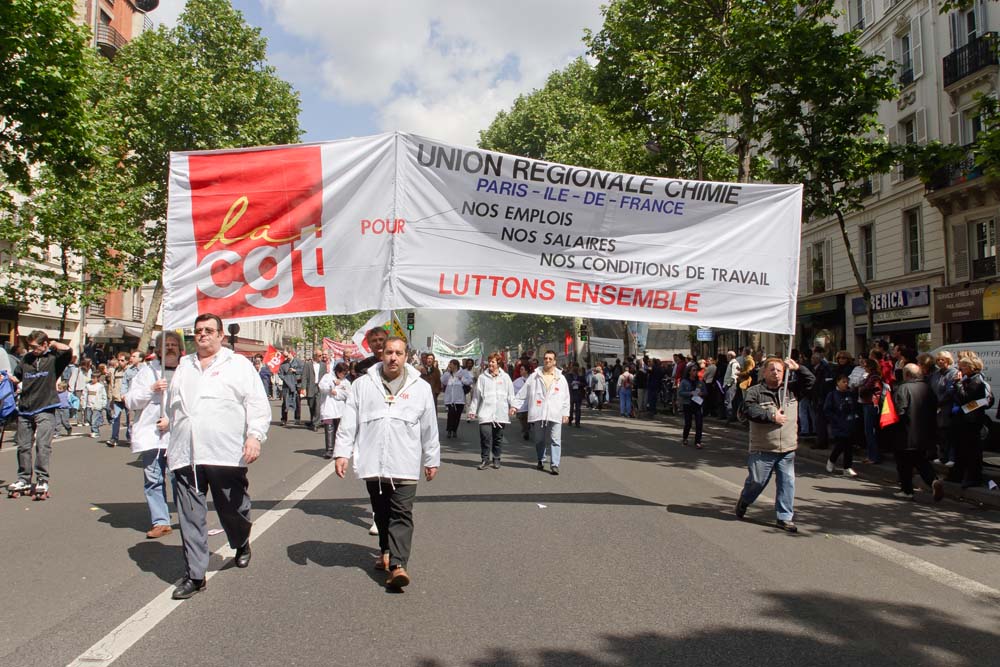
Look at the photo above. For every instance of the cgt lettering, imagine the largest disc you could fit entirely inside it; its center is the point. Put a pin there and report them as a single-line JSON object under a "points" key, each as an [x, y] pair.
{"points": [[383, 226]]}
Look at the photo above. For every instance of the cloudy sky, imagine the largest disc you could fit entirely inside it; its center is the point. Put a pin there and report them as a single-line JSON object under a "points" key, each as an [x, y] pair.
{"points": [[441, 68]]}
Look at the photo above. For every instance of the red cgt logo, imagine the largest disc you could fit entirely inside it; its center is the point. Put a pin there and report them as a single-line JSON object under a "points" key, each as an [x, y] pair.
{"points": [[257, 225]]}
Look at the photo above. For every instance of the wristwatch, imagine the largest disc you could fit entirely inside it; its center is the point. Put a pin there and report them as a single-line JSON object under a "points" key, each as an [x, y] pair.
{"points": [[260, 437]]}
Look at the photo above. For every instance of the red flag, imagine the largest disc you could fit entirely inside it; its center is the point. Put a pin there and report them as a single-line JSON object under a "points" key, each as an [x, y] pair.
{"points": [[567, 341], [888, 417], [273, 359]]}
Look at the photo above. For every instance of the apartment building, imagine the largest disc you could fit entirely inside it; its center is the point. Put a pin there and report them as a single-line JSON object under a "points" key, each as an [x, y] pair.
{"points": [[921, 251]]}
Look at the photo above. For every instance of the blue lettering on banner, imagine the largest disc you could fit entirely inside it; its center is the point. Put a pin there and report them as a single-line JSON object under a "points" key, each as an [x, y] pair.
{"points": [[907, 297]]}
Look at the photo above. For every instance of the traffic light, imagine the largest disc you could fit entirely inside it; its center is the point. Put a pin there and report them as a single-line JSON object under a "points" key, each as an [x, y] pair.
{"points": [[409, 321], [583, 332]]}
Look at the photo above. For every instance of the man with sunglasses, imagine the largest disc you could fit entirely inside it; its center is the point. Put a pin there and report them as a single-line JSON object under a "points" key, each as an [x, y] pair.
{"points": [[37, 374], [218, 416]]}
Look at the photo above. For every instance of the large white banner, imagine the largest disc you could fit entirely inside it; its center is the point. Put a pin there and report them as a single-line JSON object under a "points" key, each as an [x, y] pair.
{"points": [[398, 220]]}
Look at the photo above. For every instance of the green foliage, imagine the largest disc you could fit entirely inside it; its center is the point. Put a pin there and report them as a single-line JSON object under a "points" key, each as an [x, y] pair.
{"points": [[44, 80], [499, 330], [338, 327], [696, 74], [562, 122], [204, 84], [821, 120]]}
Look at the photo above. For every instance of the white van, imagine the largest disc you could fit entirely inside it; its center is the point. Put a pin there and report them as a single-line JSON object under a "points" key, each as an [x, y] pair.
{"points": [[990, 354]]}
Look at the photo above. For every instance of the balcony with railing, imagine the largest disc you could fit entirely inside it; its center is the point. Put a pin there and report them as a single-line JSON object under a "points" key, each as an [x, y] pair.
{"points": [[978, 54], [956, 173], [109, 40]]}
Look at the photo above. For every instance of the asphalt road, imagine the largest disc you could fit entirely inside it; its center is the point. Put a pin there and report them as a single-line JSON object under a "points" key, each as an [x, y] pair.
{"points": [[632, 556]]}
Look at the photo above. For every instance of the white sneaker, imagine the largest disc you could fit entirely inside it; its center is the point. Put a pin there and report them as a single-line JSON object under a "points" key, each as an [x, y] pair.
{"points": [[93, 435], [849, 472], [950, 464], [373, 530], [903, 495], [829, 466], [937, 462]]}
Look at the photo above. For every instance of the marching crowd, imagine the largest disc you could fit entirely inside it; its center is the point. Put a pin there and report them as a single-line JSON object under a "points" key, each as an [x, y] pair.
{"points": [[381, 413]]}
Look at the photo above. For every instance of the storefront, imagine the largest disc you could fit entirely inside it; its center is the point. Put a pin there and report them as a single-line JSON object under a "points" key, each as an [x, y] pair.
{"points": [[969, 313], [901, 317], [821, 323]]}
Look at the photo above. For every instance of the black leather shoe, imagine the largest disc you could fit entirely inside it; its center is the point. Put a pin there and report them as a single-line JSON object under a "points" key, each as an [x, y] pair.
{"points": [[243, 555], [786, 526], [741, 508], [187, 588]]}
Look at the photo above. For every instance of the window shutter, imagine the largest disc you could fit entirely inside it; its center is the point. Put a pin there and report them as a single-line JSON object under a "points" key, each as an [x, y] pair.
{"points": [[876, 183], [809, 269], [980, 10], [869, 9], [894, 54], [920, 121], [896, 175], [955, 127], [954, 31], [916, 52], [960, 251], [828, 265]]}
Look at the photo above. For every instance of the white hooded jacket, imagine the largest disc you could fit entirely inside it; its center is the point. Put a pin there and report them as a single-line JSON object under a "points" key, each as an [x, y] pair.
{"points": [[492, 398], [549, 406], [140, 396], [389, 439], [333, 394], [212, 411]]}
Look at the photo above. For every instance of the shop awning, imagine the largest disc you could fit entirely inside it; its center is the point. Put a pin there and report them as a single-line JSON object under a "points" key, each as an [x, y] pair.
{"points": [[249, 347], [112, 329]]}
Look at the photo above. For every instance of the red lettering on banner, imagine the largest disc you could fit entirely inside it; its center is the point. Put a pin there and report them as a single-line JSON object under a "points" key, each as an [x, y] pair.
{"points": [[257, 223], [383, 226]]}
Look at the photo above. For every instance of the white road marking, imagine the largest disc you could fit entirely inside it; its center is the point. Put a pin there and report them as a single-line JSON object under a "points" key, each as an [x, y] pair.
{"points": [[135, 627]]}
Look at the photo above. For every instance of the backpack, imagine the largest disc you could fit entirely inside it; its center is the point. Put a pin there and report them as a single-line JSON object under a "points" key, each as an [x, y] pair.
{"points": [[8, 403]]}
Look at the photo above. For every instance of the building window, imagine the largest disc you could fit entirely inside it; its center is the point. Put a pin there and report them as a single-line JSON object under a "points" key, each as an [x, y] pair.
{"points": [[913, 231], [984, 248], [858, 14], [868, 251], [906, 60], [908, 54], [818, 267]]}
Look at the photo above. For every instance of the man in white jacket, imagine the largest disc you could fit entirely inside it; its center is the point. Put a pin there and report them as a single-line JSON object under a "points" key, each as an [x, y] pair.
{"points": [[218, 416], [547, 396], [145, 392], [492, 401], [390, 427]]}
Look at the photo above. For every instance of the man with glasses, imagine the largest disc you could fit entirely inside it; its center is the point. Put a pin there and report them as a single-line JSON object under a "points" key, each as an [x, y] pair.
{"points": [[218, 416], [117, 394], [37, 373]]}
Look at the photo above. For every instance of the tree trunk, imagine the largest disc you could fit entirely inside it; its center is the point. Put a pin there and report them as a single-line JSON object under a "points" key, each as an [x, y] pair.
{"points": [[151, 314], [865, 292]]}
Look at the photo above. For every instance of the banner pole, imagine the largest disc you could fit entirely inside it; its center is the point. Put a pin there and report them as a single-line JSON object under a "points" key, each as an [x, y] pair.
{"points": [[163, 369], [784, 400]]}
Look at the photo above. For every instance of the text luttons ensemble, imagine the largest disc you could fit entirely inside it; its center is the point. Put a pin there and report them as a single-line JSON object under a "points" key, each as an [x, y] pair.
{"points": [[544, 289], [523, 169]]}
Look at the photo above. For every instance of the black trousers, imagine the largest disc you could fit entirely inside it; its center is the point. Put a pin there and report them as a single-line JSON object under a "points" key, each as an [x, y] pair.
{"points": [[906, 461], [843, 445], [575, 403], [232, 503], [314, 402], [290, 401], [490, 440], [968, 454], [330, 427], [393, 508], [454, 416]]}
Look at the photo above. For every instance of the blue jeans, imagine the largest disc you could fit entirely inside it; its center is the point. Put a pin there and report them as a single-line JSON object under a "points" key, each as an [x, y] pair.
{"points": [[807, 424], [761, 466], [155, 472], [548, 434], [95, 418], [625, 401], [871, 416], [117, 410]]}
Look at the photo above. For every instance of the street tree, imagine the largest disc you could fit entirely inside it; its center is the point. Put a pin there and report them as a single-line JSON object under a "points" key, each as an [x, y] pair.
{"points": [[822, 129], [500, 330], [44, 83], [204, 84], [696, 74], [563, 122]]}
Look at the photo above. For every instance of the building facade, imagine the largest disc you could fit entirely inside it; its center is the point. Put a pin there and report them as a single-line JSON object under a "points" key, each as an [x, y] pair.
{"points": [[914, 246]]}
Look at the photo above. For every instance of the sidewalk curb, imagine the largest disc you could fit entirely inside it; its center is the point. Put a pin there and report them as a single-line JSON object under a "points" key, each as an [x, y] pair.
{"points": [[878, 473]]}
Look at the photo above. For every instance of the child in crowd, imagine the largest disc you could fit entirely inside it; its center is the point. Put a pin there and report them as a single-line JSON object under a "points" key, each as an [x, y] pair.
{"points": [[95, 399], [65, 403]]}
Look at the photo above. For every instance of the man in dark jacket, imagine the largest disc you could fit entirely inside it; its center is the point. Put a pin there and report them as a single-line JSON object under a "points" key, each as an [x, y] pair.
{"points": [[917, 410], [291, 376], [37, 374]]}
